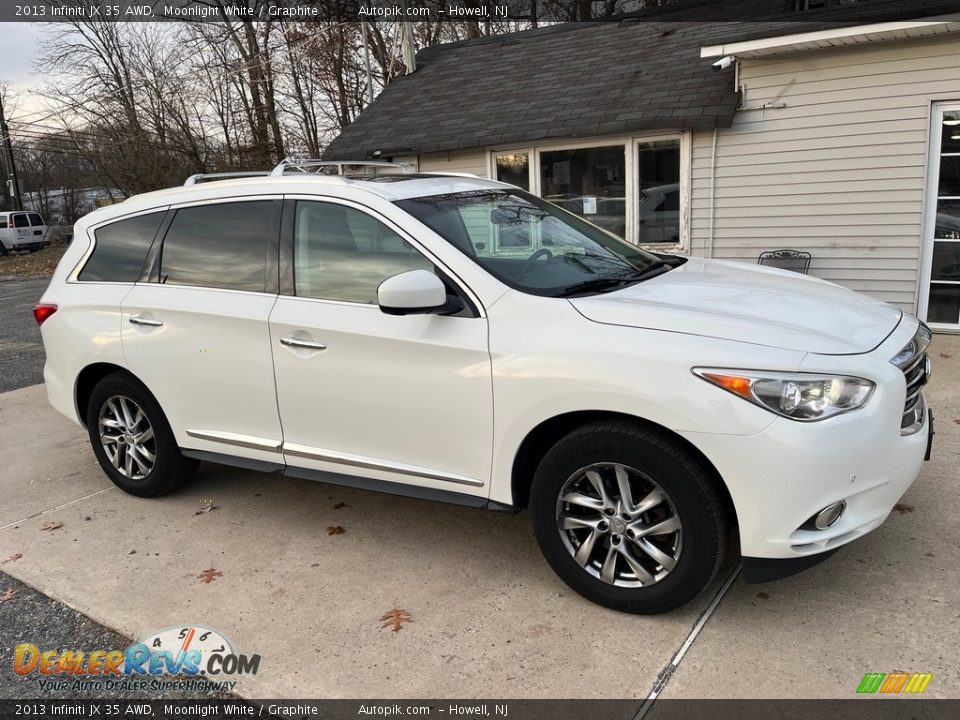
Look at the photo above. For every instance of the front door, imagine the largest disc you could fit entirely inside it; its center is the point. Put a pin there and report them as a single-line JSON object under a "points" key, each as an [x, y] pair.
{"points": [[940, 296], [397, 399]]}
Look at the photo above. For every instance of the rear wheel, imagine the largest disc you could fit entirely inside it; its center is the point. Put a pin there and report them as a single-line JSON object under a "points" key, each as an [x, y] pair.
{"points": [[132, 439], [627, 518]]}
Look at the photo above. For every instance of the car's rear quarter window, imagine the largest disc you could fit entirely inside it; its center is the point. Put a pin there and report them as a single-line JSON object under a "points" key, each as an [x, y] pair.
{"points": [[121, 248]]}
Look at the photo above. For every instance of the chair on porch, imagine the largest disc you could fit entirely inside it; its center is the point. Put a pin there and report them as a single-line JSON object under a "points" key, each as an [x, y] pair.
{"points": [[795, 260]]}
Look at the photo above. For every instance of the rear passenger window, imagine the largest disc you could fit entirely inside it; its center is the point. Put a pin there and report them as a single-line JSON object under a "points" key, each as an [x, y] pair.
{"points": [[35, 219], [219, 246], [20, 221], [3, 223], [121, 248]]}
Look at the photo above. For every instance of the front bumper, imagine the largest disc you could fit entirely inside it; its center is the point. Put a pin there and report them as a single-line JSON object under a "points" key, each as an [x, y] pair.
{"points": [[784, 475], [761, 570]]}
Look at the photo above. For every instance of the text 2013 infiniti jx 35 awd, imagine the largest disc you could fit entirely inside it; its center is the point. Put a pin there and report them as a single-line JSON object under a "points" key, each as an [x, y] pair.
{"points": [[458, 339]]}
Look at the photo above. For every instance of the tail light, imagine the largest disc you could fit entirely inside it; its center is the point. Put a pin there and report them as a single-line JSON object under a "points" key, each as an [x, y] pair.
{"points": [[42, 311]]}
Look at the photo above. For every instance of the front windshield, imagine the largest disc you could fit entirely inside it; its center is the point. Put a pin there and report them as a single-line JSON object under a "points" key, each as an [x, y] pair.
{"points": [[531, 244]]}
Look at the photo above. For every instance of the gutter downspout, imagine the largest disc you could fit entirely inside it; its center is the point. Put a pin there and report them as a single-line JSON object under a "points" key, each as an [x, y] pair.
{"points": [[713, 189]]}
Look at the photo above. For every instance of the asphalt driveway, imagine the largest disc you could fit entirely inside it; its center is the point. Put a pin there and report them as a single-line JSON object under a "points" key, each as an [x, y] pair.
{"points": [[21, 351], [489, 617]]}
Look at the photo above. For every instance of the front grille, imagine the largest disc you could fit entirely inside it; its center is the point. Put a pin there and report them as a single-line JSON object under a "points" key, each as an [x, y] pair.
{"points": [[913, 361]]}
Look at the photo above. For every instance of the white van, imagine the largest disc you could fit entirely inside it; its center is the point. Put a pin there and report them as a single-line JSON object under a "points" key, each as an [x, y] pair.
{"points": [[22, 230]]}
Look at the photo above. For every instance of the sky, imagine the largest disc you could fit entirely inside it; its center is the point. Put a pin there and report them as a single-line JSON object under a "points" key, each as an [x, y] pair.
{"points": [[18, 50]]}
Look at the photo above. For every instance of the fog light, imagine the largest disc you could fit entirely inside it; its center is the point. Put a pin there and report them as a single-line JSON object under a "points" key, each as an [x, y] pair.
{"points": [[829, 515]]}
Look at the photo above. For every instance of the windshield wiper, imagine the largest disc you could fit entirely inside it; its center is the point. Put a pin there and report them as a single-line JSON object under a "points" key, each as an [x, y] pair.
{"points": [[613, 281]]}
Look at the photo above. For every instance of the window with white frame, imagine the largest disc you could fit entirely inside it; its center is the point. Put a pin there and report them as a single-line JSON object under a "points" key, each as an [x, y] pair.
{"points": [[632, 187], [658, 192]]}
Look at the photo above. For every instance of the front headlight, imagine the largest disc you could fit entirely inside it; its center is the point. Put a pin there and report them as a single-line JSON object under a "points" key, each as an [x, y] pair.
{"points": [[798, 396]]}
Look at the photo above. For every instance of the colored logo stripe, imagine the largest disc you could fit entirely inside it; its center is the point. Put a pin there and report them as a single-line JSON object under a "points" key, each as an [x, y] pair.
{"points": [[871, 682], [918, 683], [894, 682]]}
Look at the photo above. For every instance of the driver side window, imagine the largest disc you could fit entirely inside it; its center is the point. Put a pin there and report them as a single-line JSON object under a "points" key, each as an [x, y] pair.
{"points": [[341, 253]]}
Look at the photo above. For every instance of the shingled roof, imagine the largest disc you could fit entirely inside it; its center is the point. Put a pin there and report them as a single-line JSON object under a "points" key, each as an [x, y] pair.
{"points": [[563, 81]]}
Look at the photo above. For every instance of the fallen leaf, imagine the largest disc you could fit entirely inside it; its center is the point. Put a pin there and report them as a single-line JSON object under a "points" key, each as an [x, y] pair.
{"points": [[209, 507], [51, 525], [903, 508], [339, 506], [957, 421], [209, 575], [396, 618], [763, 596], [335, 530], [7, 595], [946, 356], [12, 558]]}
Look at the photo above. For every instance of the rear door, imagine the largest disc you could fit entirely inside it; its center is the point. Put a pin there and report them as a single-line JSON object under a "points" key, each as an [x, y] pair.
{"points": [[38, 227], [6, 232], [21, 226], [196, 330]]}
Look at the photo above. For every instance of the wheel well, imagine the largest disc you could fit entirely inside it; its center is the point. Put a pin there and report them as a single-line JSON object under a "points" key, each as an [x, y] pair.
{"points": [[543, 437], [87, 380]]}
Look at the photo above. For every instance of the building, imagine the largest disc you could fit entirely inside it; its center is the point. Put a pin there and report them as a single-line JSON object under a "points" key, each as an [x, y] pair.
{"points": [[843, 142], [64, 206]]}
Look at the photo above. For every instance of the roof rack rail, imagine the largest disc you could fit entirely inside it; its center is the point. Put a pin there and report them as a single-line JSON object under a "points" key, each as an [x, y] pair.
{"points": [[306, 165], [204, 177]]}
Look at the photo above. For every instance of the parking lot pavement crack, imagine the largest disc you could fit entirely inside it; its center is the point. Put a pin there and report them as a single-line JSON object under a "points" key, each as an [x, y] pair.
{"points": [[664, 675], [58, 507]]}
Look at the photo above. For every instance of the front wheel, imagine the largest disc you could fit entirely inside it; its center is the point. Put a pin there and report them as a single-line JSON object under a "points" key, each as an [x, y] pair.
{"points": [[132, 439], [628, 518]]}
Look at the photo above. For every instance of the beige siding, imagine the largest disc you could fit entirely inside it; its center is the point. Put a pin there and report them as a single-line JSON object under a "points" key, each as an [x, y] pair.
{"points": [[473, 160], [839, 171]]}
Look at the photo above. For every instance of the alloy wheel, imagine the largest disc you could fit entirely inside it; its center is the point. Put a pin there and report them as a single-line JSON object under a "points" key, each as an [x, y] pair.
{"points": [[619, 525], [127, 437]]}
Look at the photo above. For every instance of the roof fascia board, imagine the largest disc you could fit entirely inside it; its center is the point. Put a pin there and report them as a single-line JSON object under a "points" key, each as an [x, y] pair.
{"points": [[784, 41]]}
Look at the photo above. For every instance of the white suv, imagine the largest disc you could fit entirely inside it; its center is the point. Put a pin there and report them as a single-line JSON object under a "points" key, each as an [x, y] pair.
{"points": [[458, 339]]}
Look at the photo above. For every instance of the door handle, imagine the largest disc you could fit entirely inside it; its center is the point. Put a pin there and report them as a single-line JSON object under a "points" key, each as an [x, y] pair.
{"points": [[140, 320], [294, 341]]}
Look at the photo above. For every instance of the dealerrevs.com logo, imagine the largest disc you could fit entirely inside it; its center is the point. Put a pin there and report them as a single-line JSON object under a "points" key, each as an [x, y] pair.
{"points": [[200, 657]]}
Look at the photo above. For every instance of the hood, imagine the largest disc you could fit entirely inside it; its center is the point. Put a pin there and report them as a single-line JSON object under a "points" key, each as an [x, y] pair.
{"points": [[748, 303]]}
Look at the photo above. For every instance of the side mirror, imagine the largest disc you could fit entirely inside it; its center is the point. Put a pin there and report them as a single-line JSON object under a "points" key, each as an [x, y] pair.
{"points": [[416, 292]]}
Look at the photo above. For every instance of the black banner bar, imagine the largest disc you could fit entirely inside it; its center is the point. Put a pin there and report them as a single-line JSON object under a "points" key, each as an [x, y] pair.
{"points": [[863, 708], [827, 11]]}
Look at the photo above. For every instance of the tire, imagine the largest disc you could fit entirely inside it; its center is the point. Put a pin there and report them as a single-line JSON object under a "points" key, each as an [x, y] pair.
{"points": [[155, 466], [669, 490]]}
